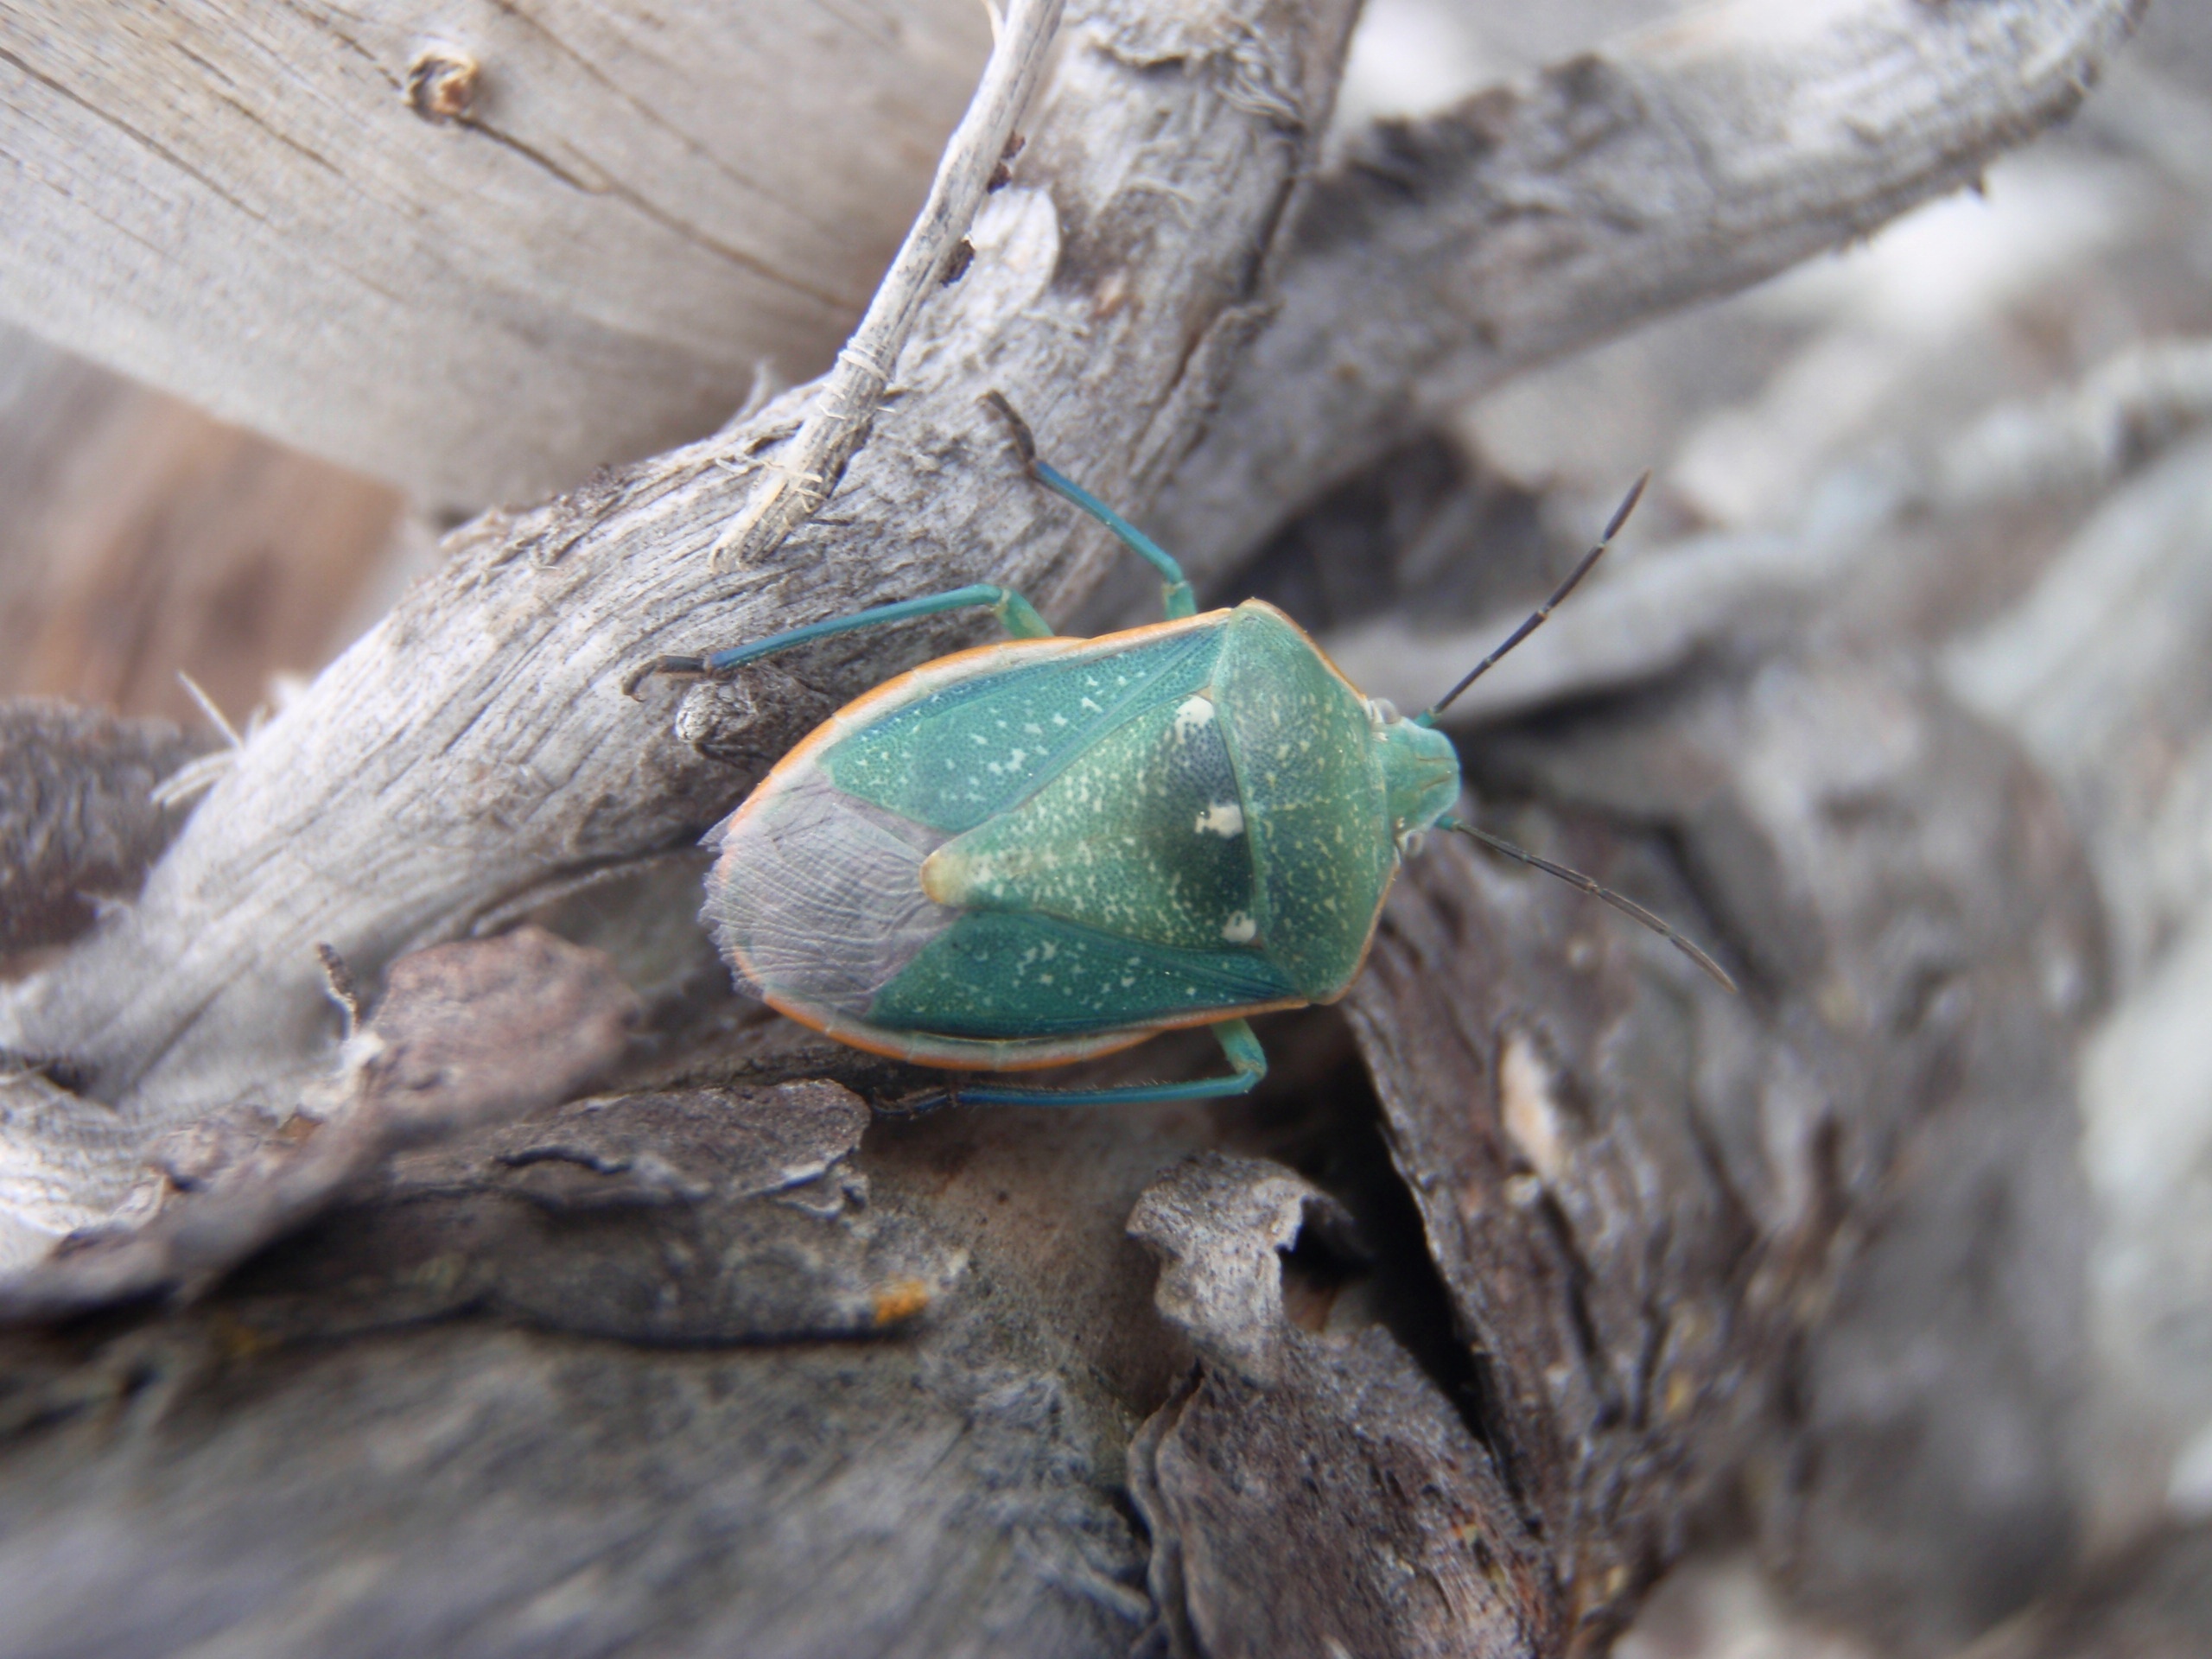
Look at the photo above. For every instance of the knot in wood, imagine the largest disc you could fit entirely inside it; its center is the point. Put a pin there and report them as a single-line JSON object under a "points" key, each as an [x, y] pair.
{"points": [[442, 83]]}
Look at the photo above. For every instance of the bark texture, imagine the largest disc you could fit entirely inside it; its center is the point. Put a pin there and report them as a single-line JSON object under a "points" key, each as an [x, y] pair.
{"points": [[477, 742], [344, 1321]]}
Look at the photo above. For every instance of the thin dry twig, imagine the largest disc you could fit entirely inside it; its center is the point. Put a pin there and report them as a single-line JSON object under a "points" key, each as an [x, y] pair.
{"points": [[847, 398]]}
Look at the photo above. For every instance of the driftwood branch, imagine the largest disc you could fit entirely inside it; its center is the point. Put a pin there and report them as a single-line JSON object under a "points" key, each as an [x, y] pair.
{"points": [[479, 740], [477, 745], [1682, 164], [466, 1035], [1637, 621], [1516, 1269]]}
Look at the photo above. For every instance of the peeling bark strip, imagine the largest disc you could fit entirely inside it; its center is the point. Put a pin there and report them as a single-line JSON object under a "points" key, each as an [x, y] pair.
{"points": [[1312, 1494], [1663, 1214], [466, 1035], [476, 744]]}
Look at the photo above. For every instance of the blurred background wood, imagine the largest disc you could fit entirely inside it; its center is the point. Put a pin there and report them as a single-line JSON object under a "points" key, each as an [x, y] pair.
{"points": [[505, 244], [140, 538]]}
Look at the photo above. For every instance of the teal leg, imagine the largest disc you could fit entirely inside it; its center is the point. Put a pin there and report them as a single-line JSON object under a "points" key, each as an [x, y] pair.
{"points": [[1017, 615], [1247, 1059], [1176, 593]]}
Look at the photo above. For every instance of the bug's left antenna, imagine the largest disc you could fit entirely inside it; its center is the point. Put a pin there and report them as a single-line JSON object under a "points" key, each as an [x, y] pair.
{"points": [[1627, 907], [1574, 579]]}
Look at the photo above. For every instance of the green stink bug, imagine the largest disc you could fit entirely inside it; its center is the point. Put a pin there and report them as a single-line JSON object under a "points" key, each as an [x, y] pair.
{"points": [[1045, 850]]}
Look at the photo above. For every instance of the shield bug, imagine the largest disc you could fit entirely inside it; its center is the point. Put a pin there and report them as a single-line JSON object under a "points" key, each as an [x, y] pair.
{"points": [[1044, 850]]}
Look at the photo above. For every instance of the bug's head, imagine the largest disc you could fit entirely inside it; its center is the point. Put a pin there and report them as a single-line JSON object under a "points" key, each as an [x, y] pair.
{"points": [[1420, 774]]}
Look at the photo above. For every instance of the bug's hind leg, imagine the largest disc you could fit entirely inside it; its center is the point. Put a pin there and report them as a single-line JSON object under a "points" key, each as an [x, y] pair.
{"points": [[1176, 592], [1015, 614], [1247, 1059]]}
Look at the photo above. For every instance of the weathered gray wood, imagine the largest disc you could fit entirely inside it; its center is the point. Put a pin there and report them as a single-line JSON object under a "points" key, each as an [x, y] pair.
{"points": [[631, 207], [465, 1033], [2101, 670], [378, 1427], [1685, 162], [976, 158], [477, 743], [467, 1489], [1652, 1213], [1922, 942], [2154, 1602], [1098, 302], [1633, 623], [1311, 1492]]}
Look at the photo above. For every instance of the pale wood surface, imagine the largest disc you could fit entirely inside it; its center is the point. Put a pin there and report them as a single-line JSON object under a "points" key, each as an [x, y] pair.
{"points": [[1686, 161], [976, 157], [1098, 302], [234, 201]]}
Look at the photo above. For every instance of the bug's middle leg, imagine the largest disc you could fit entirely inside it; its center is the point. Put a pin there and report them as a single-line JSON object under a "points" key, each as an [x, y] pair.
{"points": [[1015, 614], [1247, 1065], [1177, 594]]}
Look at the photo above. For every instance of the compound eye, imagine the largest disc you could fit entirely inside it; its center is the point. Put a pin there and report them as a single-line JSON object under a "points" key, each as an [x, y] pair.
{"points": [[1382, 711]]}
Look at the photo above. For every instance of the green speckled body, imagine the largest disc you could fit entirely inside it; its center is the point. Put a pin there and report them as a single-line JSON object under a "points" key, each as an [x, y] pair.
{"points": [[1047, 848]]}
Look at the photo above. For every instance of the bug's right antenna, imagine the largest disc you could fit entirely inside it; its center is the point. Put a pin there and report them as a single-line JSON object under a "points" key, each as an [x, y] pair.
{"points": [[1627, 907], [1573, 578]]}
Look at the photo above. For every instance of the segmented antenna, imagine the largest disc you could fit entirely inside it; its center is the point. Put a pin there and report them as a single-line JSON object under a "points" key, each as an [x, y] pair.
{"points": [[1574, 577], [1627, 907]]}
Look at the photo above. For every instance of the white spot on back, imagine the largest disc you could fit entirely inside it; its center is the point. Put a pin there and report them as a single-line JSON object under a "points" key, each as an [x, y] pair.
{"points": [[1223, 818], [1239, 929], [1192, 714]]}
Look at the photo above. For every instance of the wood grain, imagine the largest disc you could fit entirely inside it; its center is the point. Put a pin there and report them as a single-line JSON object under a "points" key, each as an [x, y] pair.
{"points": [[414, 786], [236, 201], [140, 538]]}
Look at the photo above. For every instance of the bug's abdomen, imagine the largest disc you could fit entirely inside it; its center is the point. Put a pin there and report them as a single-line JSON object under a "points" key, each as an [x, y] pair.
{"points": [[1141, 837], [999, 975], [1021, 850]]}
